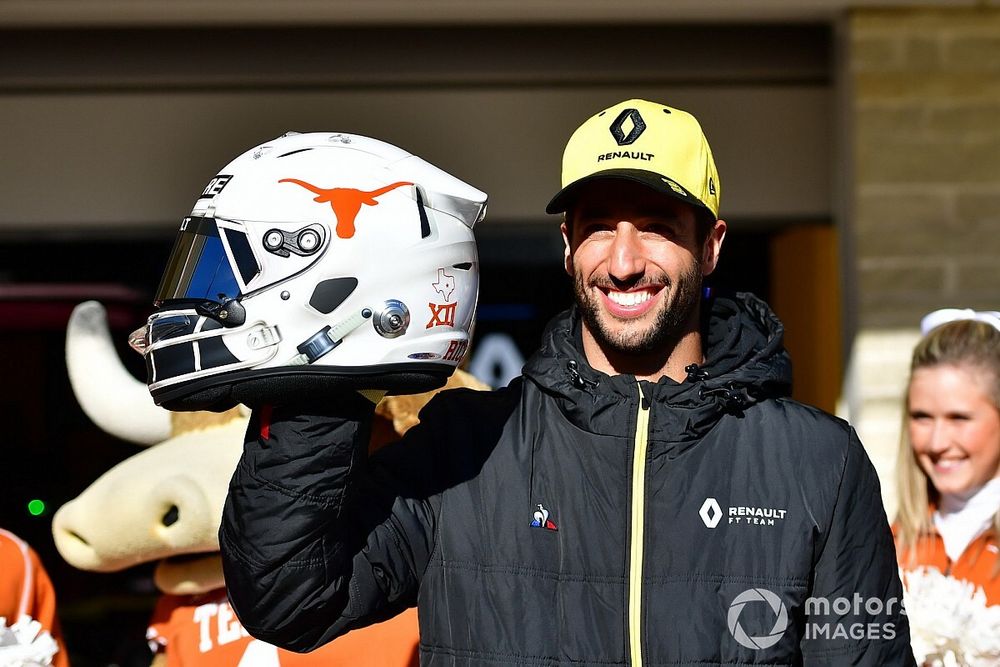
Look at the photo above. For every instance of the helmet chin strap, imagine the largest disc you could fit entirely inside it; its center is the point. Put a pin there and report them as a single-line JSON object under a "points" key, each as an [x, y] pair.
{"points": [[327, 338]]}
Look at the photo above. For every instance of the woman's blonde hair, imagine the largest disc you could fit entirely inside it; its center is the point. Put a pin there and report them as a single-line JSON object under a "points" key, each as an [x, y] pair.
{"points": [[967, 343]]}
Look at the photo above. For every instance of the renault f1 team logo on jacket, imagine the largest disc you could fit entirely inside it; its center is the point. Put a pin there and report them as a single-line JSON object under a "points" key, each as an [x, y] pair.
{"points": [[711, 514], [541, 519], [345, 202]]}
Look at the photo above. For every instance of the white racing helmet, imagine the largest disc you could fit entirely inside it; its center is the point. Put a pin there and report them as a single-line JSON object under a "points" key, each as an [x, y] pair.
{"points": [[311, 262]]}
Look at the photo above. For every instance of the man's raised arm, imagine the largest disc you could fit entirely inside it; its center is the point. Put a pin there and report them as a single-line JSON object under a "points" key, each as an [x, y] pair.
{"points": [[315, 541]]}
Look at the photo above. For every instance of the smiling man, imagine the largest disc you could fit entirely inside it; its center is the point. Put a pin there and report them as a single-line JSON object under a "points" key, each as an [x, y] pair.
{"points": [[645, 493], [637, 258], [638, 242]]}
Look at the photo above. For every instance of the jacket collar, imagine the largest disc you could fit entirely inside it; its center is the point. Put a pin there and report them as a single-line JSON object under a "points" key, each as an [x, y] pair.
{"points": [[745, 363]]}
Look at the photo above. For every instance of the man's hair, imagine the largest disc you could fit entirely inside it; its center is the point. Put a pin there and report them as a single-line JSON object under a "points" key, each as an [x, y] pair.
{"points": [[704, 221], [968, 344]]}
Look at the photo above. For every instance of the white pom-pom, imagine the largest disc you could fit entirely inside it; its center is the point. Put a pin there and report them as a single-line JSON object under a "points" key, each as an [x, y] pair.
{"points": [[25, 644], [950, 623]]}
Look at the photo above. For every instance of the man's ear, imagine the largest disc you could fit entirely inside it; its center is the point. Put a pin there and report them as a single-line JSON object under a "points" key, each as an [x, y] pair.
{"points": [[567, 250], [713, 246]]}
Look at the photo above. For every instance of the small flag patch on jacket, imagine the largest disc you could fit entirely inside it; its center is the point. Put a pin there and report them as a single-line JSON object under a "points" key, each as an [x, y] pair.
{"points": [[541, 519]]}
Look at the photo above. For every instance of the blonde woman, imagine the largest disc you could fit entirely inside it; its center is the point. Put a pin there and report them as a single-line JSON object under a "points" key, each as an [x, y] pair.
{"points": [[949, 459]]}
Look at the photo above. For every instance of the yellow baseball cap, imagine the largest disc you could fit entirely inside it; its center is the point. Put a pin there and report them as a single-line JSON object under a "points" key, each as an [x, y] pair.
{"points": [[649, 143]]}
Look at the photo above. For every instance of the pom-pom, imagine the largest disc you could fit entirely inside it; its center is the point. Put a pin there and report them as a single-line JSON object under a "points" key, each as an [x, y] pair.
{"points": [[25, 644], [950, 623]]}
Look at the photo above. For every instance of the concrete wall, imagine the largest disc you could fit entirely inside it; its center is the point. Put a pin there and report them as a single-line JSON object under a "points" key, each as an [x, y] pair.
{"points": [[118, 130]]}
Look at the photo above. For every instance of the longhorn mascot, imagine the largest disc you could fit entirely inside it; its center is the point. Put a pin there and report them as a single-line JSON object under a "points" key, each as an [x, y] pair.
{"points": [[164, 504]]}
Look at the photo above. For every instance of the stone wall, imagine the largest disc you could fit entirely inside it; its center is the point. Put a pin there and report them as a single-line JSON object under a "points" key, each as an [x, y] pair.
{"points": [[924, 113]]}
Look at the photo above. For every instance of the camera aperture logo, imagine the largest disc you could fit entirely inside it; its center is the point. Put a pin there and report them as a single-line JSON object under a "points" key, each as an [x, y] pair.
{"points": [[757, 595], [840, 618]]}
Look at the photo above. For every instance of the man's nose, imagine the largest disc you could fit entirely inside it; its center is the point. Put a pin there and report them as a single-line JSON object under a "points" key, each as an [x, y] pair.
{"points": [[626, 260]]}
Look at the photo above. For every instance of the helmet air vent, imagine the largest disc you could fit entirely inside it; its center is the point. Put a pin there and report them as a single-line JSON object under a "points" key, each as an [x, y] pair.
{"points": [[425, 224], [331, 293], [301, 150]]}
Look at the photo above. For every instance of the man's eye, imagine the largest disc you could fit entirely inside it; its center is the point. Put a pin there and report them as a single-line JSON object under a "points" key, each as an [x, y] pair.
{"points": [[595, 227], [662, 229]]}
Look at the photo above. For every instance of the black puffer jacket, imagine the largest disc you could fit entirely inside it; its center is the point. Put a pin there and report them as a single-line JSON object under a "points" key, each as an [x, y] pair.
{"points": [[686, 525]]}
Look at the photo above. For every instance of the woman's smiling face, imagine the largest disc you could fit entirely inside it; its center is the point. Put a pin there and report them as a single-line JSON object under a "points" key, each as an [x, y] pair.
{"points": [[954, 427]]}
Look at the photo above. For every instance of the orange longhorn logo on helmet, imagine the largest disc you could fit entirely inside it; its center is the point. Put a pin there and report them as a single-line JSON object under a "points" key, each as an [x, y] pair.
{"points": [[345, 202]]}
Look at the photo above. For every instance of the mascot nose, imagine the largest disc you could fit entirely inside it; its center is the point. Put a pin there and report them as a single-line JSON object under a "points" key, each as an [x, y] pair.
{"points": [[70, 538], [127, 524], [179, 513]]}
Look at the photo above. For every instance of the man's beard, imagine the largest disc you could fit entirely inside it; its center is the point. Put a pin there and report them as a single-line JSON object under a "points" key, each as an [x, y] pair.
{"points": [[671, 323]]}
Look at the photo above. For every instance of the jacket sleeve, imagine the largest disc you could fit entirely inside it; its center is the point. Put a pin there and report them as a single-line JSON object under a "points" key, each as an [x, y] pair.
{"points": [[854, 614], [317, 540]]}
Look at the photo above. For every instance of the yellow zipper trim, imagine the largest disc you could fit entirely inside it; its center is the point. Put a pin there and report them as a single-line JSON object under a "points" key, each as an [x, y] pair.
{"points": [[638, 520]]}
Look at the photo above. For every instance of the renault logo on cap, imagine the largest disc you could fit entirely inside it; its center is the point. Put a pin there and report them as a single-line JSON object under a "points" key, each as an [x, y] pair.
{"points": [[628, 118]]}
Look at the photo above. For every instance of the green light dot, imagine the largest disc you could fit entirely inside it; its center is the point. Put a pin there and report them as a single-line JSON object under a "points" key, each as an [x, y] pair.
{"points": [[36, 507]]}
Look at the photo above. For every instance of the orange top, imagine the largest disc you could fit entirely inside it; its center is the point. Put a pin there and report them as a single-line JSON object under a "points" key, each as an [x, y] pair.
{"points": [[978, 563], [25, 589], [202, 629]]}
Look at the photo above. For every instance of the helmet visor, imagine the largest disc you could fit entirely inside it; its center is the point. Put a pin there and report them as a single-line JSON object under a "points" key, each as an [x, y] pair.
{"points": [[199, 268]]}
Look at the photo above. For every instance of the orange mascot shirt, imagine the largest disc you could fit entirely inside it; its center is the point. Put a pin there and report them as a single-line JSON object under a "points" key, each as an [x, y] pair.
{"points": [[203, 629], [25, 588]]}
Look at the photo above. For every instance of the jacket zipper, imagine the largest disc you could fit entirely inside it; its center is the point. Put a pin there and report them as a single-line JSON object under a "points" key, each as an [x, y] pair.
{"points": [[638, 521]]}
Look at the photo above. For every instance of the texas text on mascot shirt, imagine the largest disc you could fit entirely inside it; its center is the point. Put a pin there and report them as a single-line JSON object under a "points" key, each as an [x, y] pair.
{"points": [[196, 630]]}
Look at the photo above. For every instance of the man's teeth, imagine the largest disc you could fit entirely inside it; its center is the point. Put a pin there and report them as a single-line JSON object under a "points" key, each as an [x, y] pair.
{"points": [[629, 298]]}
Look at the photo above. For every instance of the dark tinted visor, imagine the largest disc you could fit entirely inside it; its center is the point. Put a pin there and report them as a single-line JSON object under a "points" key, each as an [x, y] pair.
{"points": [[198, 269]]}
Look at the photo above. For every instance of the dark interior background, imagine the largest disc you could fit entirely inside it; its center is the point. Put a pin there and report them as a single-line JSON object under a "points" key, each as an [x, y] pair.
{"points": [[52, 451]]}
